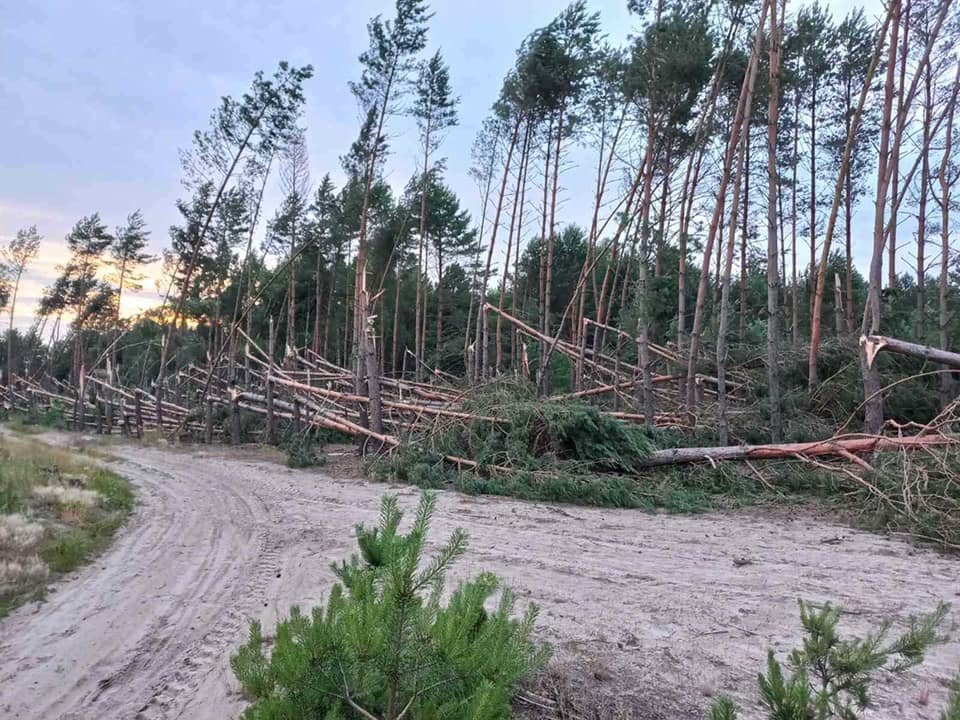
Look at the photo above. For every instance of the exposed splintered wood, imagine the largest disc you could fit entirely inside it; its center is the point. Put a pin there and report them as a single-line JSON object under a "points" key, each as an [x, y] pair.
{"points": [[873, 344], [838, 447]]}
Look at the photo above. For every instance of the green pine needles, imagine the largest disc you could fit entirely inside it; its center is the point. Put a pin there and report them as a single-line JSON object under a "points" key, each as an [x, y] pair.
{"points": [[831, 675], [527, 447], [386, 647]]}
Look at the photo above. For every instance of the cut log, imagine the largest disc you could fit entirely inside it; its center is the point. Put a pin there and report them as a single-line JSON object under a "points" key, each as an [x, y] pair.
{"points": [[875, 343], [841, 447]]}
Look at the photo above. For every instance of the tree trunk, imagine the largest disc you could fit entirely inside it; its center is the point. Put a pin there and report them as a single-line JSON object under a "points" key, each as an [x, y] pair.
{"points": [[794, 302], [842, 178], [873, 399], [876, 343], [812, 278], [739, 119], [544, 371], [418, 323], [724, 321], [439, 341], [946, 182], [517, 209], [773, 276], [822, 448], [895, 162], [643, 291], [921, 299], [744, 239], [480, 342], [317, 304]]}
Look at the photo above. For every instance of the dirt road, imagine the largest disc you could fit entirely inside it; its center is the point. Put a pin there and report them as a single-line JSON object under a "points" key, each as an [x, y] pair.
{"points": [[651, 609]]}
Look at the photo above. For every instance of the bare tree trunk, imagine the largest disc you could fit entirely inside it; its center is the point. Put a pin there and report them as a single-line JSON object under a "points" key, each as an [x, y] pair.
{"points": [[920, 322], [724, 321], [420, 248], [317, 304], [396, 320], [544, 214], [946, 183], [516, 255], [439, 340], [839, 321], [794, 302], [515, 211], [831, 221], [812, 277], [739, 119], [773, 277], [544, 370], [895, 162], [643, 292], [481, 331], [873, 399], [744, 234]]}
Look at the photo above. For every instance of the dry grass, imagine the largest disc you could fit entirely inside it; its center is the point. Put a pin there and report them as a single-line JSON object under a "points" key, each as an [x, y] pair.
{"points": [[56, 512]]}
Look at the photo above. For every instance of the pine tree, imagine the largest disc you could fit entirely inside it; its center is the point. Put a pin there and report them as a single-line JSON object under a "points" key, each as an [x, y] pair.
{"points": [[386, 647], [435, 109], [16, 257], [79, 288], [387, 66]]}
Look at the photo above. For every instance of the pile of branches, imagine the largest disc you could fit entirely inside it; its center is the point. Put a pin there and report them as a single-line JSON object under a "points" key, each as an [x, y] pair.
{"points": [[506, 440]]}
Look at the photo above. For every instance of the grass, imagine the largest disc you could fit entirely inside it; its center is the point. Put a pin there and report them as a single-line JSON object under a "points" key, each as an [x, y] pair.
{"points": [[68, 508]]}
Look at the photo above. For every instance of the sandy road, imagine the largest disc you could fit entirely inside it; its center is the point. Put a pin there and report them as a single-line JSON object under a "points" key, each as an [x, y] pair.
{"points": [[650, 607]]}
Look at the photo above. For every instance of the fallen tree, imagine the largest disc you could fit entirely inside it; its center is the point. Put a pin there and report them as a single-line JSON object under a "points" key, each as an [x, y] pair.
{"points": [[874, 344], [844, 447]]}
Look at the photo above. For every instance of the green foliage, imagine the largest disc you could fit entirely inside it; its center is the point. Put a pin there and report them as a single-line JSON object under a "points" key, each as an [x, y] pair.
{"points": [[534, 434], [952, 711], [564, 451], [51, 416], [303, 451], [115, 492], [72, 532], [250, 665], [723, 709], [831, 676], [67, 551], [386, 643], [785, 698]]}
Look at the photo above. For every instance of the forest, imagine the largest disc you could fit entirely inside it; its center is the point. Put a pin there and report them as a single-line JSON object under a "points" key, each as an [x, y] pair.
{"points": [[710, 306], [757, 303]]}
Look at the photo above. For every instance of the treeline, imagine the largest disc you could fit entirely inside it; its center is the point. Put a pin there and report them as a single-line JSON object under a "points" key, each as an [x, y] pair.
{"points": [[737, 150]]}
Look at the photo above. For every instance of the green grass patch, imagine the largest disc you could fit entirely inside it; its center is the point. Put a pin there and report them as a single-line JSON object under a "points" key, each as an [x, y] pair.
{"points": [[69, 507]]}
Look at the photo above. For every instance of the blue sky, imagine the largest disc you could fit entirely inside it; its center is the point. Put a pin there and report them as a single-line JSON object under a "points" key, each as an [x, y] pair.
{"points": [[98, 96]]}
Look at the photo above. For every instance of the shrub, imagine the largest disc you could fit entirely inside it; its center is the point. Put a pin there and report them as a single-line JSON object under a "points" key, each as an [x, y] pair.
{"points": [[303, 451], [386, 647], [952, 711], [115, 492], [831, 676], [68, 550]]}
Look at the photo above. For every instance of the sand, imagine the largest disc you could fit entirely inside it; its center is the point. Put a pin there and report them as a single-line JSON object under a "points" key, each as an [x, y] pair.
{"points": [[649, 613]]}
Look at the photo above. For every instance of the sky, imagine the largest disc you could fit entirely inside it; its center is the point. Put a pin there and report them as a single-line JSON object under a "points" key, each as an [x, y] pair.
{"points": [[98, 97]]}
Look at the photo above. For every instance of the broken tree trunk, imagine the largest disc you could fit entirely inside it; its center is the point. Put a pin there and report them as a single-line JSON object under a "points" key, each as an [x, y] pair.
{"points": [[840, 447], [872, 344]]}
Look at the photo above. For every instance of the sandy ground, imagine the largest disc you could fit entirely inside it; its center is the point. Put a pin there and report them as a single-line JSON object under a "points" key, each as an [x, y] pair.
{"points": [[650, 611]]}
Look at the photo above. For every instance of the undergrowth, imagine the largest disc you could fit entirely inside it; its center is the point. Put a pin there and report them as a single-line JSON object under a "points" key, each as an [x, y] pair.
{"points": [[69, 510], [303, 450], [52, 417]]}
